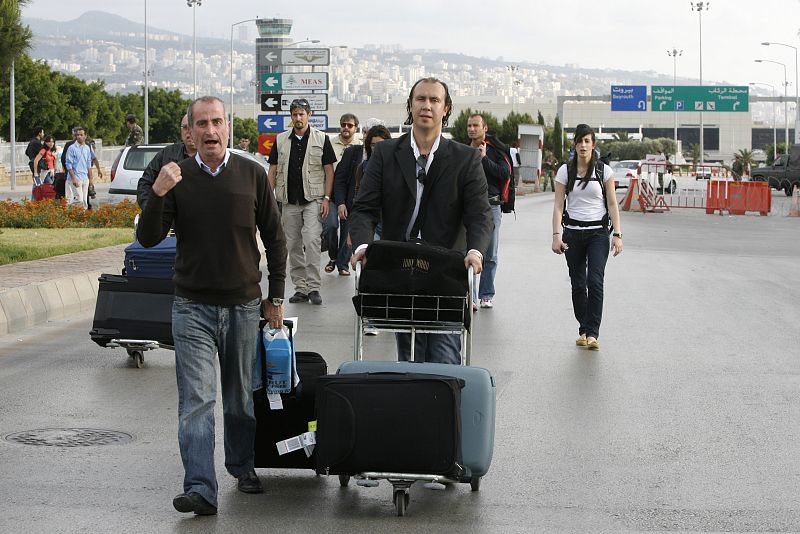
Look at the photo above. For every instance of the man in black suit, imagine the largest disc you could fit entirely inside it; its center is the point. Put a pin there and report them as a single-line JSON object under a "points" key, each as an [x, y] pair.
{"points": [[424, 186]]}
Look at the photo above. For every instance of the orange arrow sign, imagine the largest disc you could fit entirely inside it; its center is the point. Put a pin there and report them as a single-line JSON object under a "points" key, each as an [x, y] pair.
{"points": [[265, 143]]}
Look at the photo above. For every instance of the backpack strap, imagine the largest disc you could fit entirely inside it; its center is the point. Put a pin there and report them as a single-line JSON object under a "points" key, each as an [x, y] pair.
{"points": [[605, 222]]}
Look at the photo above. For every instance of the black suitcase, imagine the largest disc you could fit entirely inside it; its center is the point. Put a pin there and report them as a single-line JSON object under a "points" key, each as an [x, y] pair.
{"points": [[389, 422], [152, 262], [133, 308], [273, 426]]}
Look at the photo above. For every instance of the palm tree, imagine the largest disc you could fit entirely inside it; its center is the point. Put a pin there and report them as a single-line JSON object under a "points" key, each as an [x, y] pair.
{"points": [[622, 137], [694, 155], [746, 157], [15, 39]]}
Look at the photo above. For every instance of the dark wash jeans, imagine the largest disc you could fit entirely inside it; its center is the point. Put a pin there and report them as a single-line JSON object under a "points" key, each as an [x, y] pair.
{"points": [[586, 258]]}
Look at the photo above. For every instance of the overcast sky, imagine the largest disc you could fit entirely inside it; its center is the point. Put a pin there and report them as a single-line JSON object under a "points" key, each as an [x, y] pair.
{"points": [[620, 34]]}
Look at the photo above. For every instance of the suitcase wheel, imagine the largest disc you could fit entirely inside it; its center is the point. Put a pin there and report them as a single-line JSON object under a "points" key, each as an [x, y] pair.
{"points": [[475, 483], [344, 480], [138, 358], [401, 499]]}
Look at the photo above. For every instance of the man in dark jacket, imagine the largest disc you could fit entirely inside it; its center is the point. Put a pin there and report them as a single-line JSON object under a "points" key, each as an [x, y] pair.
{"points": [[497, 166], [33, 148], [175, 152]]}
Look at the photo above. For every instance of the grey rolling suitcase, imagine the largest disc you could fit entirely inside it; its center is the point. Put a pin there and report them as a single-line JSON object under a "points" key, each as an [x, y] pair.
{"points": [[478, 399]]}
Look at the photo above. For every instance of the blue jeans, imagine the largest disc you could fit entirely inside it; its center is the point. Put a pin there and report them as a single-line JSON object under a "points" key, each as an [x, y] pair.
{"points": [[345, 252], [434, 348], [586, 258], [329, 232], [486, 286], [200, 332]]}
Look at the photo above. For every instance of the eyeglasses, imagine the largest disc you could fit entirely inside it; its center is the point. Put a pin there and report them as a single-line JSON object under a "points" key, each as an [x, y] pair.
{"points": [[347, 125], [422, 161]]}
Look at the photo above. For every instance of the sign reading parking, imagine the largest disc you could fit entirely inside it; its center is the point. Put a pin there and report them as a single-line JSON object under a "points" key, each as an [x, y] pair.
{"points": [[282, 102], [700, 98], [272, 57], [281, 123], [294, 81], [628, 98]]}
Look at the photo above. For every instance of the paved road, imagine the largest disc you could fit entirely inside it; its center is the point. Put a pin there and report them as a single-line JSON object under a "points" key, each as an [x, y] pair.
{"points": [[687, 419]]}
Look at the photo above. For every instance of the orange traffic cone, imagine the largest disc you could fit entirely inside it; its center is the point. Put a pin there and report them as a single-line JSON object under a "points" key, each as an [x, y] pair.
{"points": [[794, 211]]}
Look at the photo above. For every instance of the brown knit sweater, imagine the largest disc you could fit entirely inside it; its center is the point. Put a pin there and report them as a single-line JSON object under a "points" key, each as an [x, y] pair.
{"points": [[215, 220]]}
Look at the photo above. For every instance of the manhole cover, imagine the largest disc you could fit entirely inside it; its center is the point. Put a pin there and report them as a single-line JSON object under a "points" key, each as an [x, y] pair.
{"points": [[69, 437]]}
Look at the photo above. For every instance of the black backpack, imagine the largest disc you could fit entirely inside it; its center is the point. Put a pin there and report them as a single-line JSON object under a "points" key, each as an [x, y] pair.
{"points": [[605, 222]]}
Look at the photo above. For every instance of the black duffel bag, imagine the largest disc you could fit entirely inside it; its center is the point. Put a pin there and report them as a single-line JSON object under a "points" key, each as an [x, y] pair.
{"points": [[431, 273]]}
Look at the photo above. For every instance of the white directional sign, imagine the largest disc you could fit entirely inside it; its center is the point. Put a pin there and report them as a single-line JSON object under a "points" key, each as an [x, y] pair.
{"points": [[317, 101], [273, 57]]}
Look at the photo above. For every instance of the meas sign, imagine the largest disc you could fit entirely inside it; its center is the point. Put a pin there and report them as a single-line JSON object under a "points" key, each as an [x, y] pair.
{"points": [[628, 98], [294, 81]]}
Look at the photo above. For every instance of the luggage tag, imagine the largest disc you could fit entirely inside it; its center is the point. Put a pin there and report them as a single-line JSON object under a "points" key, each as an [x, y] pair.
{"points": [[305, 441]]}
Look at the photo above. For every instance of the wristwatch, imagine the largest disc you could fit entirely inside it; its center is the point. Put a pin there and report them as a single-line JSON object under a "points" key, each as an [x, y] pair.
{"points": [[276, 301], [617, 234]]}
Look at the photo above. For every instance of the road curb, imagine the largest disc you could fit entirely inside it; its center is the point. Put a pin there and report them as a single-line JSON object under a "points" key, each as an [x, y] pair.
{"points": [[33, 304]]}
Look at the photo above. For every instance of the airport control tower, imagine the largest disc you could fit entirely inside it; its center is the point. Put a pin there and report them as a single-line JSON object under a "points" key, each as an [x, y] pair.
{"points": [[272, 33]]}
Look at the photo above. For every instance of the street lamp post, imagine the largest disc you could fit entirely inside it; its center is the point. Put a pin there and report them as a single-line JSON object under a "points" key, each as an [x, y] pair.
{"points": [[674, 53], [230, 101], [774, 121], [785, 100], [194, 4], [700, 7], [513, 69], [796, 99], [12, 128], [146, 83]]}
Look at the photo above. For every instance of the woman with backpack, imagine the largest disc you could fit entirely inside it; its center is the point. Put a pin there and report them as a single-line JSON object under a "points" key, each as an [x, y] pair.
{"points": [[585, 204], [45, 161]]}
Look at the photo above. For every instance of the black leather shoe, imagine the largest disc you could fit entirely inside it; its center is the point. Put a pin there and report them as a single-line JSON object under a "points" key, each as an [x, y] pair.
{"points": [[315, 298], [249, 483], [298, 297], [192, 502]]}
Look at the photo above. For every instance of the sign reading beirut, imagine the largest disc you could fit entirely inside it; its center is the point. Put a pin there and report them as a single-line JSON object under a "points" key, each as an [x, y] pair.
{"points": [[700, 98], [628, 98]]}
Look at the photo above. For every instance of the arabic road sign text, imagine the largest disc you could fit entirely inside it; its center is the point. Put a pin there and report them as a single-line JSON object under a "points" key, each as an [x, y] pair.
{"points": [[700, 98], [281, 123], [282, 102], [294, 81], [294, 56], [628, 98]]}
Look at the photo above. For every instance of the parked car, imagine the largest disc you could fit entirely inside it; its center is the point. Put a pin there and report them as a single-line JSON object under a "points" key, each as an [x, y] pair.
{"points": [[784, 173], [133, 160], [625, 170], [127, 169]]}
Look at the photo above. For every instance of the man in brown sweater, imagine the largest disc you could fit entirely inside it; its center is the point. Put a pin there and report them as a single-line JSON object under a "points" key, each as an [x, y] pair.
{"points": [[216, 201]]}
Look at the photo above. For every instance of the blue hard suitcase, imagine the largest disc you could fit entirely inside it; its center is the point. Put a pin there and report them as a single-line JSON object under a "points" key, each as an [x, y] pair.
{"points": [[478, 401], [153, 262]]}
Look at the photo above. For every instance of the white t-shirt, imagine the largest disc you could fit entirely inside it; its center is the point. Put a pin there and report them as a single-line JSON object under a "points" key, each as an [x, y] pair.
{"points": [[514, 152], [585, 204]]}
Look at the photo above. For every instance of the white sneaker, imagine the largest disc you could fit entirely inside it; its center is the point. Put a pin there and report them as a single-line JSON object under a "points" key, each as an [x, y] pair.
{"points": [[486, 303]]}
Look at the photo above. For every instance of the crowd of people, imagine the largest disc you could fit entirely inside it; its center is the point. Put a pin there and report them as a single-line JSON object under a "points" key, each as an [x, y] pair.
{"points": [[344, 193]]}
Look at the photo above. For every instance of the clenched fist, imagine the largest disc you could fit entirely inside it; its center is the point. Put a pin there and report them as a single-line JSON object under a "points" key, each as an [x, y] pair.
{"points": [[168, 177]]}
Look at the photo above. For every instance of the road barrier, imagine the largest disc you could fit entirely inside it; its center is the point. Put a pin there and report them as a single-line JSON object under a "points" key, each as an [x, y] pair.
{"points": [[737, 198]]}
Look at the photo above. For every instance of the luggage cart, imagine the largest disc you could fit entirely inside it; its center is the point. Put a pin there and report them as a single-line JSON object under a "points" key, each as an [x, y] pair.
{"points": [[413, 314], [137, 347]]}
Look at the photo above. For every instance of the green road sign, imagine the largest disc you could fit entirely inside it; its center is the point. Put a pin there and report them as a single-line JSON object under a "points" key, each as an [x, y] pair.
{"points": [[699, 98], [271, 81]]}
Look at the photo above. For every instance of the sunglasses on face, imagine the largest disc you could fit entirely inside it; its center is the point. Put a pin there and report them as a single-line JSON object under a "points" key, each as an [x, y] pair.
{"points": [[347, 125]]}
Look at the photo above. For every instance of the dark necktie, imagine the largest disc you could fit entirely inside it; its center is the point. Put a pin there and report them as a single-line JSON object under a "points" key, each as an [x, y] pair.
{"points": [[422, 161]]}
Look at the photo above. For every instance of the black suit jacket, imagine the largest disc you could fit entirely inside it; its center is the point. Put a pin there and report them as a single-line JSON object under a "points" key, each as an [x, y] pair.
{"points": [[344, 178], [458, 215]]}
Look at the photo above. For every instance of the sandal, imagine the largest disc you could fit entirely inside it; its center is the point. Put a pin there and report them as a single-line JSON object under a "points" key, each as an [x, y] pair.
{"points": [[330, 267], [344, 272]]}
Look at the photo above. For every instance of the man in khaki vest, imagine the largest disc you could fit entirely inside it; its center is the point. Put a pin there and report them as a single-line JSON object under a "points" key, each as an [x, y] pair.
{"points": [[301, 172]]}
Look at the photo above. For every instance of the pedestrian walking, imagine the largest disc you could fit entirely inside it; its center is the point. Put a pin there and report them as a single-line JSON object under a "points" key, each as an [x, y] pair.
{"points": [[301, 173], [216, 201], [332, 239], [78, 165], [585, 203], [410, 186], [34, 147], [496, 161]]}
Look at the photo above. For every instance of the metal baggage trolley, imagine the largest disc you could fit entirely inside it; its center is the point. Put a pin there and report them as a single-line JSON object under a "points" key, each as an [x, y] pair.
{"points": [[413, 314]]}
